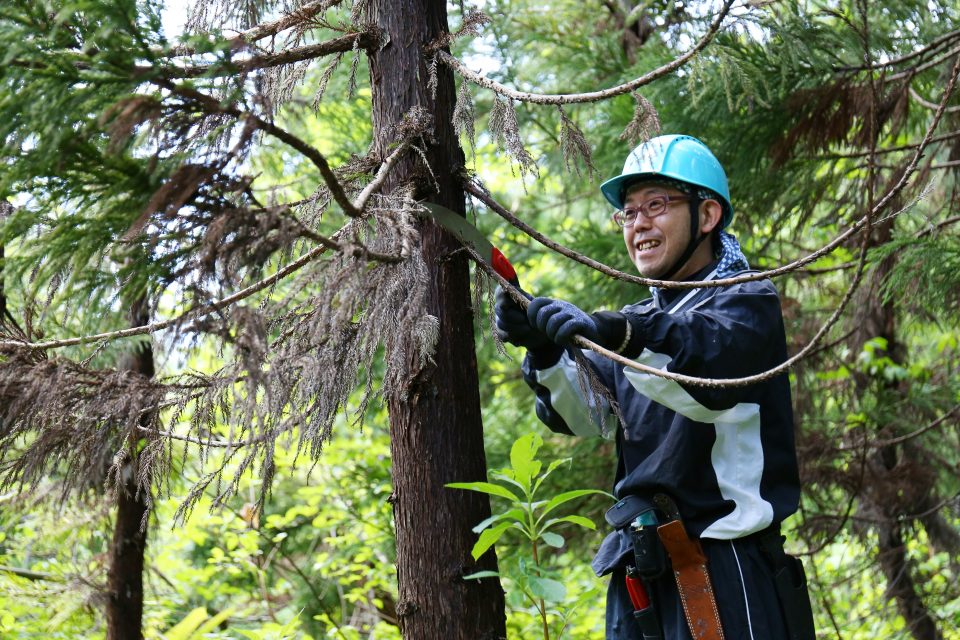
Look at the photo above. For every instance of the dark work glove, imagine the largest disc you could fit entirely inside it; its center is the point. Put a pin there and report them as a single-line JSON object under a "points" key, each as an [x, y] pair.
{"points": [[561, 321], [513, 326]]}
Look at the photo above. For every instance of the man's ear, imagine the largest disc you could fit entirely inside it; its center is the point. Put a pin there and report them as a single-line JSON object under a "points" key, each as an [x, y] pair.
{"points": [[711, 212]]}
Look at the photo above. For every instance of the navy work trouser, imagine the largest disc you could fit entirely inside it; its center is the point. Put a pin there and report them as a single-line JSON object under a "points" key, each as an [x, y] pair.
{"points": [[744, 586]]}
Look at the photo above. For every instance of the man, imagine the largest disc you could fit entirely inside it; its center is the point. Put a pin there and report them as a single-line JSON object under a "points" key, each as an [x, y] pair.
{"points": [[717, 465]]}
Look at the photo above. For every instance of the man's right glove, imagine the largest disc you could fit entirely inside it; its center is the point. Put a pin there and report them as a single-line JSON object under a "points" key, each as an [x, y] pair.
{"points": [[513, 326]]}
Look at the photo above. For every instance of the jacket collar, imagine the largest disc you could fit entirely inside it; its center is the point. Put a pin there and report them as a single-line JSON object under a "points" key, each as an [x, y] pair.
{"points": [[672, 300]]}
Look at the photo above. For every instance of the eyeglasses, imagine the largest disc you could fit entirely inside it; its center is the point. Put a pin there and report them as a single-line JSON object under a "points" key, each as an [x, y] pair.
{"points": [[655, 206]]}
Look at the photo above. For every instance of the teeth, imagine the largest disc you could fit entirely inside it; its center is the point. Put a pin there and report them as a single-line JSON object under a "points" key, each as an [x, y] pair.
{"points": [[648, 244]]}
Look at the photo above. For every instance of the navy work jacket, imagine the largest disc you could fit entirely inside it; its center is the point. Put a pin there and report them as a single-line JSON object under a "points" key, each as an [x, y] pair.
{"points": [[725, 455]]}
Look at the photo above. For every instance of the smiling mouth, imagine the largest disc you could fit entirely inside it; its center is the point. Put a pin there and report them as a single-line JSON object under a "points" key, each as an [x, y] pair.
{"points": [[646, 245]]}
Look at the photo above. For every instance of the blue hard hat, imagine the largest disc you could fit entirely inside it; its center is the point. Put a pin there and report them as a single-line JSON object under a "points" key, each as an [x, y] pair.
{"points": [[674, 158]]}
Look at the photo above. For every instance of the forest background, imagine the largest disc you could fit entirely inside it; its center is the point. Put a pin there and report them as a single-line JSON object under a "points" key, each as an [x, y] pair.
{"points": [[237, 370]]}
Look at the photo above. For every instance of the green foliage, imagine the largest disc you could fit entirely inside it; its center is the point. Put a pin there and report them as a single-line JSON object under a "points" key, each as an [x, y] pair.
{"points": [[91, 133], [197, 624], [319, 563], [851, 603], [61, 550], [927, 275], [533, 575], [62, 81]]}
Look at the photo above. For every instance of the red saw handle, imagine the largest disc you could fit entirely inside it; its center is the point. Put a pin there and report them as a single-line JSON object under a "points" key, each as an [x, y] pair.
{"points": [[502, 266]]}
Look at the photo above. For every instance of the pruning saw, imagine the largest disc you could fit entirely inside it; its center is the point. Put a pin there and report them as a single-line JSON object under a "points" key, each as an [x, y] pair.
{"points": [[472, 237]]}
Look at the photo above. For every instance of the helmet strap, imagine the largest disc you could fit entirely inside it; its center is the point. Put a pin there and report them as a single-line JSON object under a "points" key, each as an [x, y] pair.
{"points": [[696, 238]]}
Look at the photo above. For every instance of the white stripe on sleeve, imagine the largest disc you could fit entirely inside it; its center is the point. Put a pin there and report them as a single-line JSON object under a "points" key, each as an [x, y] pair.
{"points": [[585, 417]]}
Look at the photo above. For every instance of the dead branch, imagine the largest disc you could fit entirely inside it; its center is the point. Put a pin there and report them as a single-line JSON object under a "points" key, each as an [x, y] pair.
{"points": [[212, 105], [906, 437], [193, 314], [364, 39], [267, 29]]}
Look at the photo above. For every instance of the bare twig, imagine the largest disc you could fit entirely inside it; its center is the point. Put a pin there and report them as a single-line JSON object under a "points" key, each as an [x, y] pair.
{"points": [[939, 226], [923, 102], [28, 574], [361, 202], [905, 147], [212, 105], [931, 47], [923, 67]]}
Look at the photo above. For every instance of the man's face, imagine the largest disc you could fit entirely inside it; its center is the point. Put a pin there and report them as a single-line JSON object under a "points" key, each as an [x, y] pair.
{"points": [[654, 245]]}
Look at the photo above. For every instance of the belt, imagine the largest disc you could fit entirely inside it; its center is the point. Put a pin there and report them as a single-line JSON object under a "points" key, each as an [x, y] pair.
{"points": [[773, 531]]}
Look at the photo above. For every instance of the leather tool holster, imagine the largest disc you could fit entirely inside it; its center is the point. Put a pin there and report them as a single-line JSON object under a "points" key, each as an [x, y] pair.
{"points": [[693, 581]]}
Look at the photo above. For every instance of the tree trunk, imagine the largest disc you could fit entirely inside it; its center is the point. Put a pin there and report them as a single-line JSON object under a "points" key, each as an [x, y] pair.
{"points": [[5, 210], [436, 429], [900, 582], [125, 578], [879, 319]]}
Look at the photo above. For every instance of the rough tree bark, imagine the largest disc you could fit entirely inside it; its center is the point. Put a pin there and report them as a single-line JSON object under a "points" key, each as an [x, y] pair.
{"points": [[436, 428], [124, 609]]}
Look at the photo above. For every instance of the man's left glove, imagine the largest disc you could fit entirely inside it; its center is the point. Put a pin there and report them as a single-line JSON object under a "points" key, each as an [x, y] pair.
{"points": [[561, 321]]}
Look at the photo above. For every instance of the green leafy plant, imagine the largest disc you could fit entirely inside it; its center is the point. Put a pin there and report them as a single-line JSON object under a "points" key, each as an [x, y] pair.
{"points": [[534, 517], [196, 624]]}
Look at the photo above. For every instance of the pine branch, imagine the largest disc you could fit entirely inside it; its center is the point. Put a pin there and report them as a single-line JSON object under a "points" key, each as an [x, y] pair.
{"points": [[594, 96], [933, 46]]}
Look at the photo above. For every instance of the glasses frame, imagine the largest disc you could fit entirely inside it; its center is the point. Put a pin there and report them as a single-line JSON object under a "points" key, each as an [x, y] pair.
{"points": [[643, 209]]}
